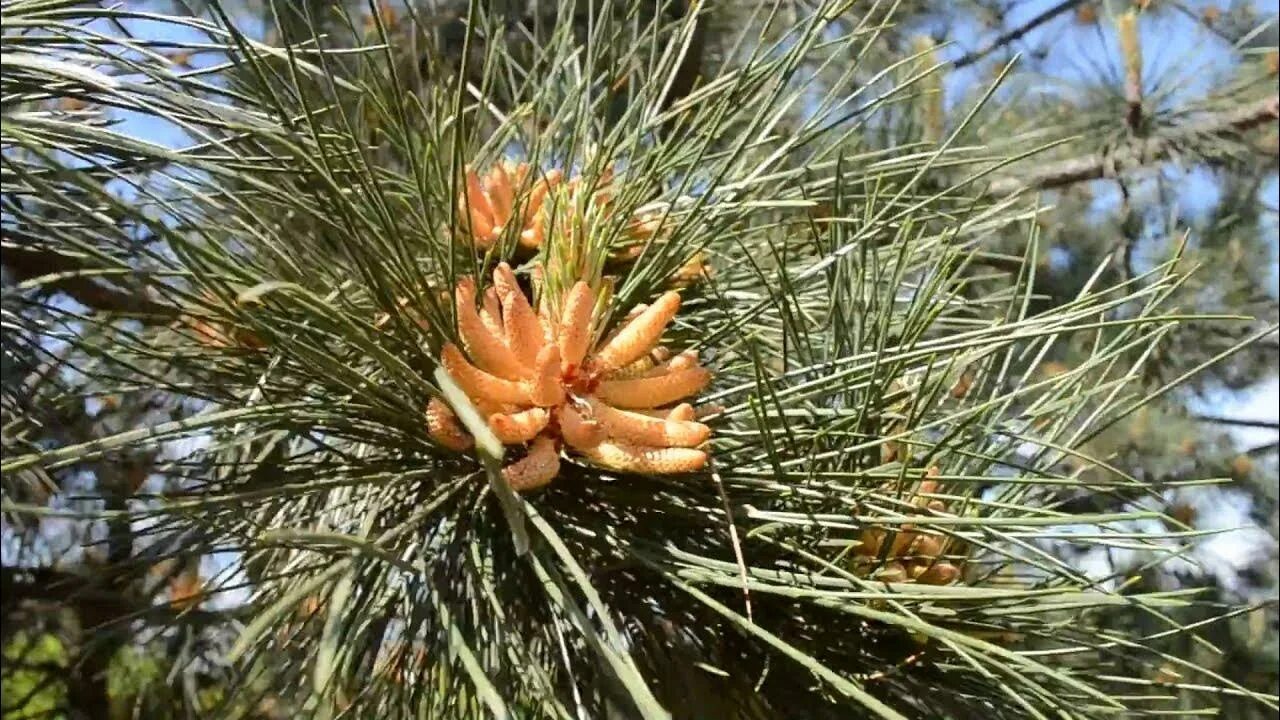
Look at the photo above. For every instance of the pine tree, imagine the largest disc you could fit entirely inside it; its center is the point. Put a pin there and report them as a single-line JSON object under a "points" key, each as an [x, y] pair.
{"points": [[626, 360]]}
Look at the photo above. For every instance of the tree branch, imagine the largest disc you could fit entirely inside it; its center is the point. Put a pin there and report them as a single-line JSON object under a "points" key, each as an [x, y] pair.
{"points": [[1015, 33], [686, 74], [20, 585], [1264, 449], [28, 263], [1238, 422], [94, 597], [1139, 153]]}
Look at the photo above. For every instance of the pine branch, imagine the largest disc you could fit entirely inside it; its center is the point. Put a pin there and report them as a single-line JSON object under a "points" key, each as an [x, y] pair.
{"points": [[21, 584], [1016, 33], [1238, 422], [815, 394], [28, 263], [690, 67], [91, 595], [1140, 153], [1264, 449]]}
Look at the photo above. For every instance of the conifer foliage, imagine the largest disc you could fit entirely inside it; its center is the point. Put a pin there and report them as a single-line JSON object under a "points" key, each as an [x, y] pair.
{"points": [[527, 378]]}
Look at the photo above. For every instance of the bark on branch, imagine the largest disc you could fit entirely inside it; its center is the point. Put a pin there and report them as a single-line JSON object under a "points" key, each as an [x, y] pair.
{"points": [[29, 263], [1140, 153]]}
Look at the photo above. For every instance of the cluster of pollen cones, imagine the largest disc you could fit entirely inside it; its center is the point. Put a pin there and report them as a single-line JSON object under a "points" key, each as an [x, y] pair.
{"points": [[541, 384], [908, 554], [490, 204], [506, 195]]}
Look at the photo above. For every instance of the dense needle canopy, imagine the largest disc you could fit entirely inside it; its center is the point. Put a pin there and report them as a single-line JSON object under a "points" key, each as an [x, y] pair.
{"points": [[536, 380]]}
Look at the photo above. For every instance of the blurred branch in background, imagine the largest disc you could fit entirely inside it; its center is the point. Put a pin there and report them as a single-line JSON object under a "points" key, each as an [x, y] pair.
{"points": [[1142, 152], [1014, 34], [1238, 422], [57, 272]]}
